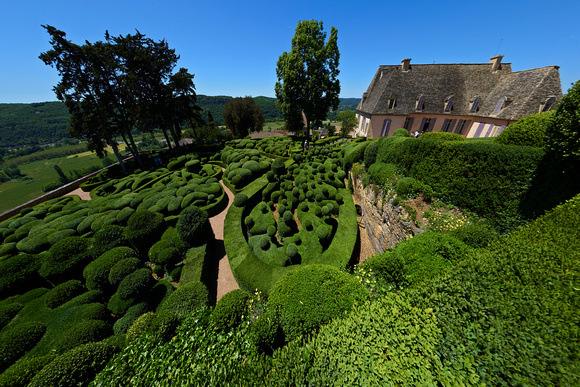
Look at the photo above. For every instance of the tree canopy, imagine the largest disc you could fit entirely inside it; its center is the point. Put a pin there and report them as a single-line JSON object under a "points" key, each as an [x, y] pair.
{"points": [[347, 120], [114, 86], [308, 75], [242, 116], [563, 132]]}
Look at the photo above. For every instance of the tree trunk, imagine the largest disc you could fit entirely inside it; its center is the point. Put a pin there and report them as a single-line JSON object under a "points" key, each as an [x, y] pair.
{"points": [[191, 124], [166, 138], [136, 151], [113, 145], [172, 130]]}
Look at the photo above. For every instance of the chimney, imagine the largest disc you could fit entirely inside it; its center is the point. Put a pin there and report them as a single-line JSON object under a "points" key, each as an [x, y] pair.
{"points": [[405, 64], [495, 62]]}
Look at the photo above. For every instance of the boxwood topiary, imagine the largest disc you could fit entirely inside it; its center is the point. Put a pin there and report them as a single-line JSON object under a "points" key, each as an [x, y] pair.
{"points": [[528, 131], [87, 331], [97, 272], [19, 274], [7, 312], [144, 227], [401, 132], [163, 327], [65, 260], [122, 325], [107, 238], [311, 296], [186, 298], [75, 367], [123, 268], [63, 293], [135, 284], [240, 199], [18, 340], [230, 309], [194, 227], [21, 373], [140, 325]]}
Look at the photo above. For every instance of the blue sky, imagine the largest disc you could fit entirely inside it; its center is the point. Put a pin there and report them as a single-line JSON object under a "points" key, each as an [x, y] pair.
{"points": [[232, 46]]}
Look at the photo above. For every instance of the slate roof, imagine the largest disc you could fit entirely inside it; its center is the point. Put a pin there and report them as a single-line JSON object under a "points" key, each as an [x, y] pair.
{"points": [[436, 83]]}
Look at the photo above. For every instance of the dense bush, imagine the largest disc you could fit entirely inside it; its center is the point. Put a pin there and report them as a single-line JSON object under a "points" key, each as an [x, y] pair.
{"points": [[230, 309], [476, 235], [311, 296], [382, 173], [107, 238], [370, 155], [528, 131], [21, 373], [194, 227], [65, 260], [563, 132], [163, 326], [77, 367], [97, 272], [87, 331], [144, 227], [123, 268], [122, 325], [401, 132], [63, 293], [353, 153], [7, 312], [19, 274], [17, 340], [185, 299], [135, 284], [441, 136], [240, 199]]}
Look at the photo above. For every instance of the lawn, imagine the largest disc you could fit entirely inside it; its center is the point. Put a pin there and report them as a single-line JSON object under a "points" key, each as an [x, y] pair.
{"points": [[16, 192]]}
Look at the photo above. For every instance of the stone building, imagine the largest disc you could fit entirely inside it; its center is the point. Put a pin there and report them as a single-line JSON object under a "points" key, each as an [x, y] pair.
{"points": [[473, 100]]}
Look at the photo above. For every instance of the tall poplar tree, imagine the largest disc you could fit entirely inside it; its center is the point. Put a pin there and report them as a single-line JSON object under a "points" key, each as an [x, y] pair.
{"points": [[308, 75]]}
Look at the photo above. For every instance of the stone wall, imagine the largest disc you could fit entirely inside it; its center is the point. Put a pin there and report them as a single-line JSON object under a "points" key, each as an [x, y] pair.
{"points": [[385, 224]]}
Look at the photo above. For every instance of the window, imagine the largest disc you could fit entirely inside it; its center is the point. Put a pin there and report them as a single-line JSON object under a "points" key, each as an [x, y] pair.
{"points": [[448, 105], [420, 103], [426, 124], [499, 105], [408, 123], [461, 126], [547, 104], [386, 125], [447, 125], [392, 102], [474, 105]]}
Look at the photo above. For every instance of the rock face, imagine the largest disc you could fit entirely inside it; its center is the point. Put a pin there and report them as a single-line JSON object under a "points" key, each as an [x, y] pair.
{"points": [[385, 224]]}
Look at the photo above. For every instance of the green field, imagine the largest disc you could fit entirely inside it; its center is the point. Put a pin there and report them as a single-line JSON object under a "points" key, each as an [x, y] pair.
{"points": [[16, 192]]}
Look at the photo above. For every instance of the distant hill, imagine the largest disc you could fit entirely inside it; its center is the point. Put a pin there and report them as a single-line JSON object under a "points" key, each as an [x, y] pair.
{"points": [[47, 122]]}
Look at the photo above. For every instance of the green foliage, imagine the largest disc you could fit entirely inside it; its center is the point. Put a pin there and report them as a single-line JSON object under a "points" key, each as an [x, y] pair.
{"points": [[382, 173], [163, 326], [19, 274], [107, 238], [308, 75], [185, 299], [63, 293], [21, 373], [243, 116], [193, 226], [87, 331], [563, 132], [311, 296], [135, 284], [144, 227], [401, 132], [18, 339], [140, 325], [122, 325], [230, 309], [370, 155], [97, 272], [347, 121], [441, 136], [65, 260], [353, 153], [123, 268], [7, 312], [78, 366], [476, 235], [418, 259], [528, 131]]}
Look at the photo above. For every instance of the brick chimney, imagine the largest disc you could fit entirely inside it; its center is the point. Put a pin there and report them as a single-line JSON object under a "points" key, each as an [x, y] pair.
{"points": [[495, 62], [406, 64]]}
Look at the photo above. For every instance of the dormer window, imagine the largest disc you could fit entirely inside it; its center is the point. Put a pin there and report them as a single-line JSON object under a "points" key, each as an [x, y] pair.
{"points": [[448, 105], [502, 104], [420, 103], [474, 105], [547, 104], [392, 102]]}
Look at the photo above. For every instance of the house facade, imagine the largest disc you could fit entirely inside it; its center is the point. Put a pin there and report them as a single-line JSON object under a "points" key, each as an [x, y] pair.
{"points": [[473, 100]]}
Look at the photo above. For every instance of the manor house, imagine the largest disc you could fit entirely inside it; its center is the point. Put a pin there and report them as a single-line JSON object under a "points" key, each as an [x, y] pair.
{"points": [[473, 100]]}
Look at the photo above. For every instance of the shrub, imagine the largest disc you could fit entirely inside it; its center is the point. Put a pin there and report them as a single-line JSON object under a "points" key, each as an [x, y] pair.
{"points": [[140, 325], [107, 238], [311, 296], [476, 235], [135, 284], [266, 334], [240, 199], [97, 272], [163, 327], [563, 132], [21, 373], [401, 132], [123, 268], [441, 136], [63, 293], [66, 259], [528, 131], [7, 312], [19, 274], [230, 309], [88, 331], [186, 298], [194, 227], [408, 187], [370, 155], [17, 340], [144, 227], [75, 367], [122, 325]]}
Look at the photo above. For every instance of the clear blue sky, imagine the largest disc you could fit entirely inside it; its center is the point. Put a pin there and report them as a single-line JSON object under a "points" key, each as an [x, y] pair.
{"points": [[232, 46]]}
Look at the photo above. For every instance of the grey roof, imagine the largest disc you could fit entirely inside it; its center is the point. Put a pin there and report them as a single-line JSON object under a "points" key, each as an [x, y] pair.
{"points": [[436, 83]]}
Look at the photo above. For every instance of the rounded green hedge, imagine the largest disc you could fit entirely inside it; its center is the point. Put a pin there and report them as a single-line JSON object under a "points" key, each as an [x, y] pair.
{"points": [[18, 340], [88, 331], [21, 373], [65, 260], [97, 272], [123, 268], [135, 284], [194, 227], [140, 325], [63, 293], [8, 312], [144, 227], [186, 298], [528, 131], [401, 132], [20, 274], [78, 366], [311, 296], [123, 324], [230, 309], [107, 238]]}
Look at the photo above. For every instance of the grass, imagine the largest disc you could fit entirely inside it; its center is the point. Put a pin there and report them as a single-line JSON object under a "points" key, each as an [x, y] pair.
{"points": [[269, 126], [16, 192]]}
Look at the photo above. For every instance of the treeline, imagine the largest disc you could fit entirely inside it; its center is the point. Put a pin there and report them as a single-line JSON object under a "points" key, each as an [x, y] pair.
{"points": [[43, 154], [47, 122]]}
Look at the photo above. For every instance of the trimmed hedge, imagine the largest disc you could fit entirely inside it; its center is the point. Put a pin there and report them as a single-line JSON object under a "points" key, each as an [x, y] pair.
{"points": [[194, 227], [65, 260], [144, 227], [135, 284], [20, 274], [63, 293], [78, 366], [123, 324], [123, 268], [8, 312], [140, 325], [17, 340], [185, 299], [311, 296], [230, 309], [21, 373], [107, 238], [528, 131], [88, 331], [97, 272]]}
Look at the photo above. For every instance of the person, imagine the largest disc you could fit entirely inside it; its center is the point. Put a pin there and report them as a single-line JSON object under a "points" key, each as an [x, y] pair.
{"points": [[305, 145]]}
